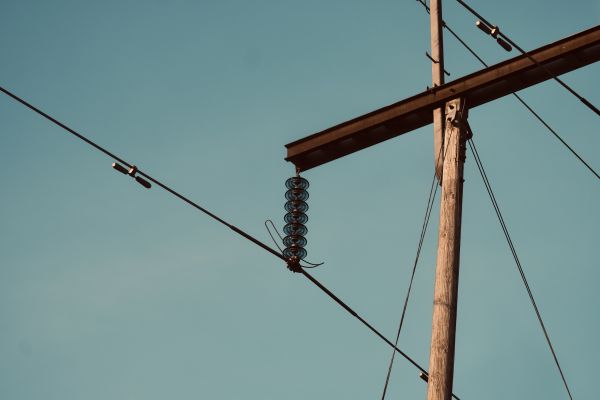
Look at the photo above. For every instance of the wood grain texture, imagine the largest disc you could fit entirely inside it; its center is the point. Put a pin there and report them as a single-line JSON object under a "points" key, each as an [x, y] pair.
{"points": [[441, 359]]}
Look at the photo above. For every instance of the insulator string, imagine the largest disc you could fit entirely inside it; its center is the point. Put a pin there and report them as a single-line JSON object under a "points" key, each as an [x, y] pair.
{"points": [[296, 218]]}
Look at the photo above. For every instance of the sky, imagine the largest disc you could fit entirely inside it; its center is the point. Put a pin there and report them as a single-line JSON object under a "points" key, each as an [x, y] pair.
{"points": [[110, 290]]}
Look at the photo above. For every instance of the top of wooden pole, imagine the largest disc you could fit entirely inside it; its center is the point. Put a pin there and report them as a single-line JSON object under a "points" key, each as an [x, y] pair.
{"points": [[437, 79]]}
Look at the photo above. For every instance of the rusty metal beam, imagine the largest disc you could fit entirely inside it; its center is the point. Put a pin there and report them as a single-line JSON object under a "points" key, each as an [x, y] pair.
{"points": [[414, 112]]}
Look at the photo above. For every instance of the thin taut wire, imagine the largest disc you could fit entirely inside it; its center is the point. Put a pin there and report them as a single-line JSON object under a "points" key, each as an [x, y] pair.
{"points": [[430, 202], [586, 102], [222, 221], [519, 98], [490, 192]]}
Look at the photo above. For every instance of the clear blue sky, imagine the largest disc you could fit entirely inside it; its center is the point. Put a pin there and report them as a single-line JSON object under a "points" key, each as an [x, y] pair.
{"points": [[111, 291]]}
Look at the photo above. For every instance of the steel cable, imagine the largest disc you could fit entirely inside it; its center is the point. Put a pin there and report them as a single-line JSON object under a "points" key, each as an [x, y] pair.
{"points": [[220, 220], [430, 201], [586, 102], [490, 192]]}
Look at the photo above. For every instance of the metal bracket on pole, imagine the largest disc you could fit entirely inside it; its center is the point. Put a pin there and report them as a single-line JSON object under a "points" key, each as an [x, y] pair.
{"points": [[436, 62], [456, 117]]}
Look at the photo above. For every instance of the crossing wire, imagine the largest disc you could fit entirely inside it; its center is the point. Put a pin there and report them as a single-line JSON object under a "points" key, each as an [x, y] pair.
{"points": [[586, 102], [429, 208], [519, 98], [430, 201], [223, 222], [490, 192]]}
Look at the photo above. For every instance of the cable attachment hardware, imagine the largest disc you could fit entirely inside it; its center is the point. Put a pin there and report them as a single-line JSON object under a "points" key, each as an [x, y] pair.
{"points": [[132, 171], [436, 62], [494, 32], [469, 131], [293, 264], [296, 218], [457, 116]]}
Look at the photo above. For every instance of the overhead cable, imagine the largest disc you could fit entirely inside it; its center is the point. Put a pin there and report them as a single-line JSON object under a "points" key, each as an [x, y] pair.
{"points": [[364, 322], [148, 177], [490, 192], [430, 201], [586, 102], [519, 98], [222, 221]]}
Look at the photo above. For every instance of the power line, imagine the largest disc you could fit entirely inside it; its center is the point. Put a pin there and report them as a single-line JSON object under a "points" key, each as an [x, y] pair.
{"points": [[150, 178], [375, 331], [556, 135], [71, 131], [222, 221], [586, 102], [519, 98], [430, 201], [490, 192]]}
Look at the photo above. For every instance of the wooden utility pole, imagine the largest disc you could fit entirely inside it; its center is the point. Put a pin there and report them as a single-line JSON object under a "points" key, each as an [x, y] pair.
{"points": [[449, 155], [441, 357], [414, 112], [437, 79]]}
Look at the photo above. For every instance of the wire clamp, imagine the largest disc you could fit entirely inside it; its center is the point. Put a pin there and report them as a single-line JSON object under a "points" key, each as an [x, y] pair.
{"points": [[132, 171], [494, 32], [293, 264]]}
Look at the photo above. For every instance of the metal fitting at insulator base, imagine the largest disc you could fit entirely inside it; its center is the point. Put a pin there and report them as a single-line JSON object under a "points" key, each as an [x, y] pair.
{"points": [[293, 264]]}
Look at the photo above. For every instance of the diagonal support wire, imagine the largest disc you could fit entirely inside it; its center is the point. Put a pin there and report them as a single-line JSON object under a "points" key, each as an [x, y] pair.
{"points": [[430, 201], [490, 192]]}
